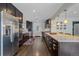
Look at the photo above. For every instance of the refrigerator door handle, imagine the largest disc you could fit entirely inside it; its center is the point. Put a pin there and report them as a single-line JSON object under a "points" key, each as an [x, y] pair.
{"points": [[11, 36]]}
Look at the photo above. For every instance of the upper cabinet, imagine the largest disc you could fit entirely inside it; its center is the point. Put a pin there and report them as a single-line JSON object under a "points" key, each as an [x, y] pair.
{"points": [[11, 9], [20, 15], [2, 6]]}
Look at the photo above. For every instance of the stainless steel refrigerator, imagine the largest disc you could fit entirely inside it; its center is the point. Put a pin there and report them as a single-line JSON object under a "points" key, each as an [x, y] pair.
{"points": [[10, 34]]}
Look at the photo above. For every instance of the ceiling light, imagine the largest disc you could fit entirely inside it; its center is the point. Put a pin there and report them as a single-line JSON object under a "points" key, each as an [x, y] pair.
{"points": [[34, 11], [75, 12], [65, 21]]}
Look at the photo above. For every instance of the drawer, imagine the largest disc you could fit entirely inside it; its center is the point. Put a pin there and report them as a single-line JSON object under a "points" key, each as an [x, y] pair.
{"points": [[50, 42], [54, 45], [50, 39], [55, 42], [50, 45], [50, 50], [54, 48]]}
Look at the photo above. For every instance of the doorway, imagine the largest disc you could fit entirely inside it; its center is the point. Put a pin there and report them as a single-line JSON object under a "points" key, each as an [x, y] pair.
{"points": [[75, 28]]}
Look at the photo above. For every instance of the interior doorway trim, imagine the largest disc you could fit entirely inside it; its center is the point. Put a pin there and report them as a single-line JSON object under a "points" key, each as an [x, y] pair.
{"points": [[74, 22]]}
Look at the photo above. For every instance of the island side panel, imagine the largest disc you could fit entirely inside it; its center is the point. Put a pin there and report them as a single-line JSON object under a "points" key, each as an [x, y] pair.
{"points": [[68, 49]]}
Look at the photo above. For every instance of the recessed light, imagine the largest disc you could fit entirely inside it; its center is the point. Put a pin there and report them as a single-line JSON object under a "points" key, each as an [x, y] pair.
{"points": [[34, 11], [75, 12]]}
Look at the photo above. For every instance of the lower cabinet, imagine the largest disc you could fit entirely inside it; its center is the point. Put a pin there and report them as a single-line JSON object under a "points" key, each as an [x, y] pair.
{"points": [[61, 48], [51, 44], [25, 37]]}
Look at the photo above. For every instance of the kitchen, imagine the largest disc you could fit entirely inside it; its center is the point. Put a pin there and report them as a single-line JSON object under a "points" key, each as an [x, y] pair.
{"points": [[51, 25]]}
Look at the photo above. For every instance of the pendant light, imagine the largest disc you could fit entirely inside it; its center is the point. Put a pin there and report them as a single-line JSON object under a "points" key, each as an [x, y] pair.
{"points": [[65, 20]]}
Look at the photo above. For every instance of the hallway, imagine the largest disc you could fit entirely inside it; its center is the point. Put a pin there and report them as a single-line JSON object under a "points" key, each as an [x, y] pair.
{"points": [[37, 49]]}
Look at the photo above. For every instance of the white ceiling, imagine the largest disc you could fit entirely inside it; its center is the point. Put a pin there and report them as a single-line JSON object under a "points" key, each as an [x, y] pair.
{"points": [[39, 12], [42, 11], [74, 11]]}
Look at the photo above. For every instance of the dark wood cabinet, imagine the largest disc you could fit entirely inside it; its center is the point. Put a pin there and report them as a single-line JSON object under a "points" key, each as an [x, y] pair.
{"points": [[19, 14], [2, 6], [25, 37], [51, 44], [10, 9]]}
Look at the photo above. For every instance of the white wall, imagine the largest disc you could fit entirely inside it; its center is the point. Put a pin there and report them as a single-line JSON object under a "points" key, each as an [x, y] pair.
{"points": [[37, 28], [70, 17], [36, 32]]}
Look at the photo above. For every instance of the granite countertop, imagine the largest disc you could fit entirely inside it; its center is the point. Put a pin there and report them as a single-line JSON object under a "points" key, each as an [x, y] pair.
{"points": [[64, 37]]}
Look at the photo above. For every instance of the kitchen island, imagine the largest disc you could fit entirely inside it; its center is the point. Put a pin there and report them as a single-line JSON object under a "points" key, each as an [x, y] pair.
{"points": [[62, 44]]}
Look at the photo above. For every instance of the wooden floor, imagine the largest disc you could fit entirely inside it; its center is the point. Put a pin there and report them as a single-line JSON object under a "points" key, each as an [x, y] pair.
{"points": [[37, 49]]}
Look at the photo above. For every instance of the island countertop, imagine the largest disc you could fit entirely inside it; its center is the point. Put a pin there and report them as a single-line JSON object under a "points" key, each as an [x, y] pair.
{"points": [[64, 37]]}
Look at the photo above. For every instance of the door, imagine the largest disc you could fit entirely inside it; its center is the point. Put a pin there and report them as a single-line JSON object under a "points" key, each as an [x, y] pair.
{"points": [[76, 28], [11, 41], [7, 34], [37, 29], [7, 41]]}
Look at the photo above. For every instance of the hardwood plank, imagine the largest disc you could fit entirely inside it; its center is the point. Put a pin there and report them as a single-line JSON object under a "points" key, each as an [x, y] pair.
{"points": [[37, 49]]}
